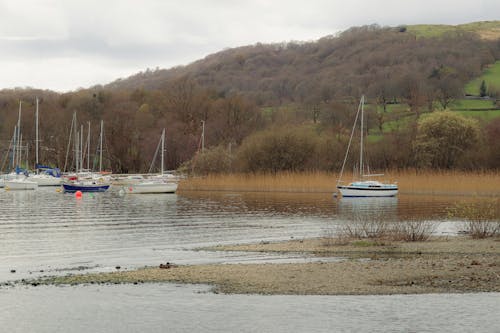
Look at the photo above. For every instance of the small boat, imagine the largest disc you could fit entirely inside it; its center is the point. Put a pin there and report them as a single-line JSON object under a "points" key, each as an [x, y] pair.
{"points": [[45, 180], [20, 184], [368, 188], [149, 187], [84, 186], [362, 187], [163, 183]]}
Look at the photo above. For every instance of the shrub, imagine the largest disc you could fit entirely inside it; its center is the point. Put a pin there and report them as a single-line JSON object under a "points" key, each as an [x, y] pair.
{"points": [[379, 228], [211, 161], [482, 219], [414, 230], [282, 149]]}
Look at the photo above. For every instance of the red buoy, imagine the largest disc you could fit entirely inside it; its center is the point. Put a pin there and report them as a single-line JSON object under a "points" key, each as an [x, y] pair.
{"points": [[78, 194]]}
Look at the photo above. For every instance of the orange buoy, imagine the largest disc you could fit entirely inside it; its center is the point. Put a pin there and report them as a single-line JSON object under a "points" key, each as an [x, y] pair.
{"points": [[78, 194]]}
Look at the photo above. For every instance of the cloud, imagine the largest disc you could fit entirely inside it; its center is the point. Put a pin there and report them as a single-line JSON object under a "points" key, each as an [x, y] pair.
{"points": [[98, 41]]}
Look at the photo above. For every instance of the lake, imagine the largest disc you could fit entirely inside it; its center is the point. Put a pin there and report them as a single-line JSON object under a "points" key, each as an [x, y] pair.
{"points": [[45, 232]]}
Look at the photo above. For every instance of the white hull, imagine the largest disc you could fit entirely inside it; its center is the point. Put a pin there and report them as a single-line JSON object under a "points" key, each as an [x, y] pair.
{"points": [[20, 184], [151, 187], [347, 191], [43, 180]]}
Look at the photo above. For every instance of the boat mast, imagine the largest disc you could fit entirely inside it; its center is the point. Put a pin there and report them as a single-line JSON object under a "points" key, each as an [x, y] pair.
{"points": [[36, 140], [162, 149], [100, 146], [81, 146], [18, 142], [14, 145], [361, 171], [88, 148], [73, 121], [349, 144]]}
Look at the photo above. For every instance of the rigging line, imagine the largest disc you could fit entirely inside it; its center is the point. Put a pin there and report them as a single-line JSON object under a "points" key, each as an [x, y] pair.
{"points": [[349, 145]]}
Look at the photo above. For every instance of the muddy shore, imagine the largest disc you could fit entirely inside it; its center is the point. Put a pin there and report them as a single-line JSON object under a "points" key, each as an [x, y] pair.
{"points": [[454, 265]]}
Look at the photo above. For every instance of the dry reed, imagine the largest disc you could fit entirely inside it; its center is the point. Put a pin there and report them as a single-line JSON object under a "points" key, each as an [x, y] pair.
{"points": [[410, 182]]}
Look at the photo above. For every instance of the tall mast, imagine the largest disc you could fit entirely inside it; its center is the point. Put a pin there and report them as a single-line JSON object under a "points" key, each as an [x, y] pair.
{"points": [[14, 145], [162, 149], [81, 146], [361, 171], [88, 148], [76, 146], [18, 153], [36, 140], [100, 146]]}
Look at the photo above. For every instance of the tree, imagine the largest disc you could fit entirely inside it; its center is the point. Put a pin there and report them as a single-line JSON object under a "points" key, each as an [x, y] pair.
{"points": [[444, 137], [482, 89]]}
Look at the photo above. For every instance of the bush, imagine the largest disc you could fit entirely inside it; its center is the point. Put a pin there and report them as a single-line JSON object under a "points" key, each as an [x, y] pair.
{"points": [[283, 149], [211, 161], [379, 228], [414, 230], [482, 219]]}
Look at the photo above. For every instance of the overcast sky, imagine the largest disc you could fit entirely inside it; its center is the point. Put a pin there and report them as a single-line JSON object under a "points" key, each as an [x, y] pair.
{"points": [[64, 45]]}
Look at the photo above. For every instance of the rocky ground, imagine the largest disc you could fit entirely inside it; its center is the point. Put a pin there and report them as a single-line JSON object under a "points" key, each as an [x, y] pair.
{"points": [[454, 265]]}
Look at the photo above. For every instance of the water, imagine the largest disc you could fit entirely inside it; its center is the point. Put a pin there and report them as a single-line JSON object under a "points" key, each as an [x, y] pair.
{"points": [[173, 308], [44, 232]]}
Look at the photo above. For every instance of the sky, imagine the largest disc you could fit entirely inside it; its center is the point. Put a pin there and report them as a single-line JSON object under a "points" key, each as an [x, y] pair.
{"points": [[64, 45]]}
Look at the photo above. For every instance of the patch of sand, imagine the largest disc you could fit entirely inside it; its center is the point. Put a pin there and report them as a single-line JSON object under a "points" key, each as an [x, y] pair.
{"points": [[439, 266]]}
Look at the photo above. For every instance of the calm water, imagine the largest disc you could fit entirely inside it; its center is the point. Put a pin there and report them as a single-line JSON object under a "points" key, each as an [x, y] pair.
{"points": [[45, 232]]}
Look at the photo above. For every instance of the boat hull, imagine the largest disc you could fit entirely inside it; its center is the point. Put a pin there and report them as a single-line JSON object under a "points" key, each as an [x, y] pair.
{"points": [[353, 191], [46, 180], [72, 188], [151, 188], [20, 185]]}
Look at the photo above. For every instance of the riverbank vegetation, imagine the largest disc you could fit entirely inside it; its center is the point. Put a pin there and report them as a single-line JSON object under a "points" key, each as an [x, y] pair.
{"points": [[458, 183]]}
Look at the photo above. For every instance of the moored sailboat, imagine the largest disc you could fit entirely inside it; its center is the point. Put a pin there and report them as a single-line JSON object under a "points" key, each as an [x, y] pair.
{"points": [[362, 187], [158, 184], [88, 182]]}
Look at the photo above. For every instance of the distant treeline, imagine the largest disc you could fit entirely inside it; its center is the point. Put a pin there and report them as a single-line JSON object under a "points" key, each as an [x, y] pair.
{"points": [[274, 107]]}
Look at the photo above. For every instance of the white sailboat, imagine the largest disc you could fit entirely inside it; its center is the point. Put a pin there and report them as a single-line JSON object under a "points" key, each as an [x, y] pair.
{"points": [[18, 181], [159, 184], [42, 178], [362, 187]]}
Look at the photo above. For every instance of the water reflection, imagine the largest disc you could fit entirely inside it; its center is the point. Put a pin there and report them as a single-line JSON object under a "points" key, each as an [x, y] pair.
{"points": [[364, 208]]}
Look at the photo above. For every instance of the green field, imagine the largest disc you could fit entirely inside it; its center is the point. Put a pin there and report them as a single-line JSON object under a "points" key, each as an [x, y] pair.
{"points": [[472, 104], [491, 76], [484, 29], [483, 115]]}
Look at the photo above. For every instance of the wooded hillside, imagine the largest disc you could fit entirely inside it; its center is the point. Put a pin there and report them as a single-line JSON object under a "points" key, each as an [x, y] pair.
{"points": [[299, 96]]}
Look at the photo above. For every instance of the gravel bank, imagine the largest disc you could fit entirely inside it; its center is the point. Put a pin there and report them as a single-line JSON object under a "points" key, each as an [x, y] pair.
{"points": [[455, 265]]}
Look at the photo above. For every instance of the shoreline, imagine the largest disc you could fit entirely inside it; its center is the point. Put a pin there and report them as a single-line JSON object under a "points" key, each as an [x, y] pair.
{"points": [[442, 265]]}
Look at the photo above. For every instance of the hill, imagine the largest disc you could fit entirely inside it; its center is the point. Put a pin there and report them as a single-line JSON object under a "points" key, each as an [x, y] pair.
{"points": [[363, 59]]}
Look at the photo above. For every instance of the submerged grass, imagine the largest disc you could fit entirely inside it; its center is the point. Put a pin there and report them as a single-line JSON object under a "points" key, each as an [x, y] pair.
{"points": [[410, 182]]}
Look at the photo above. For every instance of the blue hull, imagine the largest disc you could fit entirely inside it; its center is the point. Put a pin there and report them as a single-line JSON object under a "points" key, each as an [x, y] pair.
{"points": [[71, 188]]}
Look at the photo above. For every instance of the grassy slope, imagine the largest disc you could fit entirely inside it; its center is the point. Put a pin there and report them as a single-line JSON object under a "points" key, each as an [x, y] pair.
{"points": [[491, 76], [485, 29]]}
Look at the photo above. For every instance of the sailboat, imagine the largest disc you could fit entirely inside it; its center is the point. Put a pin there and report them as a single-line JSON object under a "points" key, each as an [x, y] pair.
{"points": [[45, 176], [19, 179], [362, 187], [158, 184], [91, 183]]}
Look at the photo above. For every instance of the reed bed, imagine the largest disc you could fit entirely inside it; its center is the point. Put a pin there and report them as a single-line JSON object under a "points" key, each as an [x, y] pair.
{"points": [[281, 182], [410, 182], [449, 182]]}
